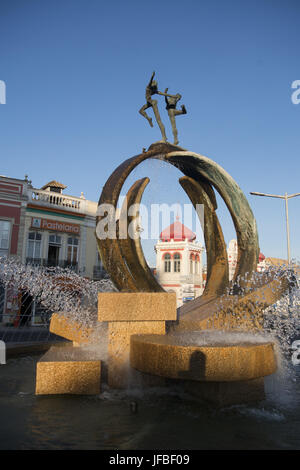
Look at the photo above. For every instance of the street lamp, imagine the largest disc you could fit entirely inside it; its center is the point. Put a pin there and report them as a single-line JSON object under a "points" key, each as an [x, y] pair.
{"points": [[285, 197]]}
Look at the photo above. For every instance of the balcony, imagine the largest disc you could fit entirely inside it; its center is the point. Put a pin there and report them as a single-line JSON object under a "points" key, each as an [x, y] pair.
{"points": [[57, 200]]}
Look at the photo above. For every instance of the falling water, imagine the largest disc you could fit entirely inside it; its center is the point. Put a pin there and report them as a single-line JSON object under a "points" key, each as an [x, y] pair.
{"points": [[56, 289], [62, 290], [279, 321], [104, 422]]}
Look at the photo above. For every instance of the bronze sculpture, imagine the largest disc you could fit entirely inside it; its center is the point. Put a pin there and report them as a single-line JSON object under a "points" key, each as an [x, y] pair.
{"points": [[124, 259], [171, 101]]}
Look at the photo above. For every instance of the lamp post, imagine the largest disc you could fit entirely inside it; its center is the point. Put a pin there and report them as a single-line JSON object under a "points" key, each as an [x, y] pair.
{"points": [[286, 198]]}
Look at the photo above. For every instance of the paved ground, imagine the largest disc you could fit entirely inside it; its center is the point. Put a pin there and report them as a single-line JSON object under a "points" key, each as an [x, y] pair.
{"points": [[27, 334]]}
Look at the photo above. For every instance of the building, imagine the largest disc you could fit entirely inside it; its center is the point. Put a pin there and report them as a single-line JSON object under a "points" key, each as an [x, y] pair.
{"points": [[179, 262], [262, 265], [13, 201], [60, 230], [232, 252], [45, 227]]}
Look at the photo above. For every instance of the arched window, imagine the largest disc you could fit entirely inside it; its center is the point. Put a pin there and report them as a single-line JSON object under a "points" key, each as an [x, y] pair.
{"points": [[177, 263], [167, 263]]}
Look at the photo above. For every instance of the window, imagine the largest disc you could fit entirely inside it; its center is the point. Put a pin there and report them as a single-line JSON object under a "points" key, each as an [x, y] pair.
{"points": [[54, 240], [34, 245], [192, 264], [197, 265], [72, 253], [167, 263], [4, 237], [177, 263]]}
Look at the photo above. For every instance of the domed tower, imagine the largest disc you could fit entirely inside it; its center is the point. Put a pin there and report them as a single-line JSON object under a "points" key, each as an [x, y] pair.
{"points": [[179, 262]]}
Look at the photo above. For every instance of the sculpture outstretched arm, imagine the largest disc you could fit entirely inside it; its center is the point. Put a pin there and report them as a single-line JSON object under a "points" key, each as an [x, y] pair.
{"points": [[165, 94], [166, 97], [151, 79]]}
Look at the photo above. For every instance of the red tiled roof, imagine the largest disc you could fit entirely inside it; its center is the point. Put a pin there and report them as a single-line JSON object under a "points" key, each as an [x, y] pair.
{"points": [[177, 232], [54, 184]]}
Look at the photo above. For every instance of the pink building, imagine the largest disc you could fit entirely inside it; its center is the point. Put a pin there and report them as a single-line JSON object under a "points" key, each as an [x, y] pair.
{"points": [[13, 199]]}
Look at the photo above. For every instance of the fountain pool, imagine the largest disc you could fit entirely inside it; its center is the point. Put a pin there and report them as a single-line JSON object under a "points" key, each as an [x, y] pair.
{"points": [[106, 421]]}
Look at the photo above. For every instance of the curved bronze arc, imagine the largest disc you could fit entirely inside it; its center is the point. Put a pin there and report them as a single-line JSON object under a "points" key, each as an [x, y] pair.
{"points": [[199, 167], [217, 260], [109, 249], [131, 248], [114, 263]]}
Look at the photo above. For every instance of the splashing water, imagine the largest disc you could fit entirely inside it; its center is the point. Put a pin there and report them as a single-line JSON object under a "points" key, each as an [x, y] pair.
{"points": [[56, 289], [279, 322], [63, 291]]}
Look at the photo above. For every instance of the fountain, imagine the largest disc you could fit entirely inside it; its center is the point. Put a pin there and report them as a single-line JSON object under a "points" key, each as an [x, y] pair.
{"points": [[166, 375], [215, 345], [153, 412]]}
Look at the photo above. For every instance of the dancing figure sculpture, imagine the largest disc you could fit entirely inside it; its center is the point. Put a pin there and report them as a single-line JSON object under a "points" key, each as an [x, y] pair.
{"points": [[171, 102], [152, 89]]}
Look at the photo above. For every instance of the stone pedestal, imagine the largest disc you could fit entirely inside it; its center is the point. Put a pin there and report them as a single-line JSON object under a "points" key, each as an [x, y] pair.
{"points": [[130, 314], [67, 328], [120, 374], [176, 357], [68, 370], [222, 374], [137, 306]]}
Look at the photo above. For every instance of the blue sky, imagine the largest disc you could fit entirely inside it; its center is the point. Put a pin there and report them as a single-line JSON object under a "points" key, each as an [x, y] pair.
{"points": [[76, 72]]}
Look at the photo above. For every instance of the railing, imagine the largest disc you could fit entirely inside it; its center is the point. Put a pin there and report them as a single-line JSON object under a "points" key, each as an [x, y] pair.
{"points": [[35, 261], [72, 266], [99, 273], [50, 264], [49, 198]]}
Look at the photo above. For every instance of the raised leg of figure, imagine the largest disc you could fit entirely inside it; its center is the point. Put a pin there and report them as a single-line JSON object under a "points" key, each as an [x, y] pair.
{"points": [[177, 112], [160, 124], [171, 113], [144, 114]]}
